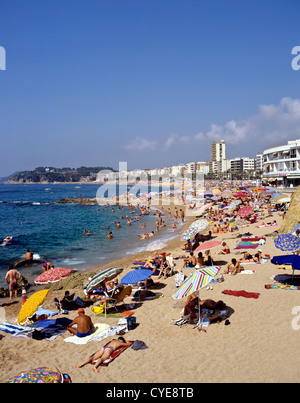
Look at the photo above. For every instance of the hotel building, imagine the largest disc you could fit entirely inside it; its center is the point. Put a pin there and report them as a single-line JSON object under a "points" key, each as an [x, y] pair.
{"points": [[281, 164]]}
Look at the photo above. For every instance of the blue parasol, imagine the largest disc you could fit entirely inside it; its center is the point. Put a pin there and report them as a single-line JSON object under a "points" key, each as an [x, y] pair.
{"points": [[289, 260], [287, 242], [135, 276]]}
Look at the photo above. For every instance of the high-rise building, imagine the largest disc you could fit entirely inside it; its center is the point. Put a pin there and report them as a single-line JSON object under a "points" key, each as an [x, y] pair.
{"points": [[217, 156]]}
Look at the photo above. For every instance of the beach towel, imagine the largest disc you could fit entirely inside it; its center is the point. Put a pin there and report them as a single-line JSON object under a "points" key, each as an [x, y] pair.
{"points": [[11, 328], [267, 225], [281, 287], [242, 293], [247, 245], [102, 331], [247, 271]]}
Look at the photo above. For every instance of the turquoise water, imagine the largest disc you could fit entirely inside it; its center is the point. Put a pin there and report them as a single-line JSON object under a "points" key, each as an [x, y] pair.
{"points": [[55, 231]]}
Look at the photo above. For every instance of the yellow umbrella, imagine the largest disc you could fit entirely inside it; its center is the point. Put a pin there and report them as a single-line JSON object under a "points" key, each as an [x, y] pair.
{"points": [[31, 305]]}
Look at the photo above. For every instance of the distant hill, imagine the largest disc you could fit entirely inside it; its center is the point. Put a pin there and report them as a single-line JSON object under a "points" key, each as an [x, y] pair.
{"points": [[51, 174], [6, 178]]}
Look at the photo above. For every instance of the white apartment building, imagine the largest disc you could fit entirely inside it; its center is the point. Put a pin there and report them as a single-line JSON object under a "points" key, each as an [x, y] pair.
{"points": [[217, 156], [281, 164], [258, 163]]}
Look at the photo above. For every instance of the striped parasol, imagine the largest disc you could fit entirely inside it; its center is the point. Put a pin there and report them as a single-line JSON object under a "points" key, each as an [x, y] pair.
{"points": [[188, 234], [193, 283], [105, 274], [199, 225]]}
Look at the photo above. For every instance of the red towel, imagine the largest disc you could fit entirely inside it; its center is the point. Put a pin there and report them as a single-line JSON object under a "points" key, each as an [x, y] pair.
{"points": [[242, 293]]}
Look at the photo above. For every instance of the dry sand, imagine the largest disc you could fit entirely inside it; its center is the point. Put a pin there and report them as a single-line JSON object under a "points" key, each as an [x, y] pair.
{"points": [[259, 344]]}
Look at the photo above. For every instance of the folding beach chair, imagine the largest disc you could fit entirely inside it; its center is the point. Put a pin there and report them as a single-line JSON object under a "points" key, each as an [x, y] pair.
{"points": [[118, 296]]}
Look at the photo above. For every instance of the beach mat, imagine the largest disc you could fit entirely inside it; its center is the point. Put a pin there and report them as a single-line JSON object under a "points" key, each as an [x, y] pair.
{"points": [[242, 293], [126, 314], [247, 245], [281, 287]]}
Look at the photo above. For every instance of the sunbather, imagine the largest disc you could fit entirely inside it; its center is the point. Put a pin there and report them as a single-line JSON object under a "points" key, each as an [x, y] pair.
{"points": [[233, 267], [193, 302], [225, 249], [104, 353]]}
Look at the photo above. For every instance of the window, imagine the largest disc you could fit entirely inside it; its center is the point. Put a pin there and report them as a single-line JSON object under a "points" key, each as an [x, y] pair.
{"points": [[293, 153]]}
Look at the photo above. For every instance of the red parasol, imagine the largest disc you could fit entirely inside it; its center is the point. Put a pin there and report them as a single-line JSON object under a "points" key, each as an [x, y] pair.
{"points": [[245, 211], [53, 275]]}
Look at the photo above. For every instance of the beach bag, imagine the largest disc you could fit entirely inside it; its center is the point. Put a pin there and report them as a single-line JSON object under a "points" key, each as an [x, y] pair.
{"points": [[131, 322], [98, 309], [122, 326]]}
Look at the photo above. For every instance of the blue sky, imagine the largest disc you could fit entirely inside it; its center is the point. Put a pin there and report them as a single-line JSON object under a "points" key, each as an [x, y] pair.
{"points": [[150, 82]]}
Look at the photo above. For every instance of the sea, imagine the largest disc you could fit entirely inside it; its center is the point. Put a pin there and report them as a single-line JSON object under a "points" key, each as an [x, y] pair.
{"points": [[55, 232]]}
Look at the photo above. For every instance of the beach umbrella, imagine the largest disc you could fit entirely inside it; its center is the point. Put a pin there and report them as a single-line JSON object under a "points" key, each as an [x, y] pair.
{"points": [[210, 270], [287, 242], [188, 234], [200, 225], [240, 194], [208, 193], [287, 260], [227, 193], [279, 198], [245, 211], [53, 275], [208, 245], [193, 283], [31, 306], [135, 276], [106, 274], [38, 375], [284, 200], [156, 245], [274, 195]]}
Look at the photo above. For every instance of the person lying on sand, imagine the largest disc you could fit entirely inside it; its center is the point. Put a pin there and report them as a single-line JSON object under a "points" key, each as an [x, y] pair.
{"points": [[193, 302], [104, 353]]}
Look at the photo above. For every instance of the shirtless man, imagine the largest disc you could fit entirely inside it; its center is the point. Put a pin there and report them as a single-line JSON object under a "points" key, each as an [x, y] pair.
{"points": [[84, 324], [29, 255], [104, 353], [11, 278]]}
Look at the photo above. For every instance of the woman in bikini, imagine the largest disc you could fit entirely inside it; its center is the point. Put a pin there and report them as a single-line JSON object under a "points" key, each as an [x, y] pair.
{"points": [[104, 353]]}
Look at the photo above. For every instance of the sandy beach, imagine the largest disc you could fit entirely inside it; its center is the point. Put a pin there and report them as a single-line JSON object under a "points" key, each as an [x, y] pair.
{"points": [[257, 346]]}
